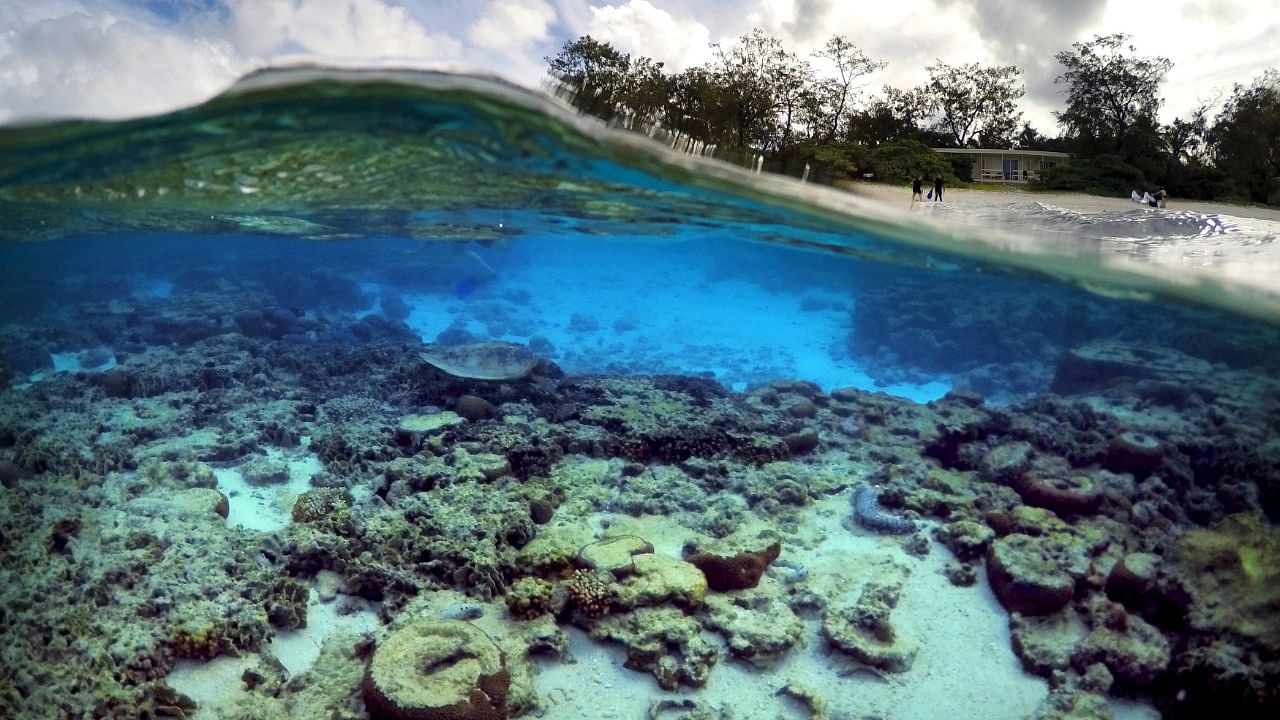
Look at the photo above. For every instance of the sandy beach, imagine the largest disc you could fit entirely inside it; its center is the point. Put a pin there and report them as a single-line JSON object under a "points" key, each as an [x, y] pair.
{"points": [[1079, 202]]}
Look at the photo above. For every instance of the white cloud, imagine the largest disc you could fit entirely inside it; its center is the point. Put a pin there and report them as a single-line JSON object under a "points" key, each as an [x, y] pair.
{"points": [[104, 59], [507, 26], [640, 28], [349, 29], [105, 66]]}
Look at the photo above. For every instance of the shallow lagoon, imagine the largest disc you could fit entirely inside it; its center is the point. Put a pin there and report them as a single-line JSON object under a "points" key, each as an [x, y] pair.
{"points": [[231, 478]]}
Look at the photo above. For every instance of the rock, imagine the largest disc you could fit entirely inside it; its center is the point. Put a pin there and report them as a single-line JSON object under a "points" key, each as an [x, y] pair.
{"points": [[490, 465], [801, 442], [961, 574], [1096, 365], [1232, 572], [757, 624], [803, 409], [411, 428], [661, 580], [967, 539], [554, 551], [25, 357], [1069, 703], [663, 641], [9, 473], [1046, 644], [261, 471], [437, 670], [1005, 464], [863, 631], [473, 408], [328, 585], [1026, 576], [541, 511], [1063, 493], [1132, 578], [964, 397], [202, 501], [530, 598], [848, 395], [1135, 652], [118, 382], [615, 554], [1135, 453], [736, 562]]}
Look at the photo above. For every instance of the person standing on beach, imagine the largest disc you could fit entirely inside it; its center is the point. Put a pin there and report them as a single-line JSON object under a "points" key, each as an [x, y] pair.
{"points": [[937, 189], [917, 189]]}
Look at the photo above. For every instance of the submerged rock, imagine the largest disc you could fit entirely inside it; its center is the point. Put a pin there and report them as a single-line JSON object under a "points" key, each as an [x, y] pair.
{"points": [[863, 631], [437, 670], [1027, 575], [662, 641], [736, 562], [758, 625], [614, 554]]}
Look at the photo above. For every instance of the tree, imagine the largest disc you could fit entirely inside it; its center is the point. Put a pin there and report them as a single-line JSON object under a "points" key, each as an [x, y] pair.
{"points": [[796, 99], [1246, 138], [747, 76], [1109, 90], [644, 91], [836, 92], [972, 100], [594, 73], [689, 104], [1184, 139], [895, 116]]}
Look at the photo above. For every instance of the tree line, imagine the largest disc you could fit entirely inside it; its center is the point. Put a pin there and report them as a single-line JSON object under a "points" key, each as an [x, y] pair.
{"points": [[755, 97]]}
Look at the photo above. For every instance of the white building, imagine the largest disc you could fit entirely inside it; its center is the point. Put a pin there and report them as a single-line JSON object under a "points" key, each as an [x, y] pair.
{"points": [[1007, 166]]}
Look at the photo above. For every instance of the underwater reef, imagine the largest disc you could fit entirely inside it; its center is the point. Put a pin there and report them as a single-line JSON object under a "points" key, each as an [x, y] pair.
{"points": [[484, 502]]}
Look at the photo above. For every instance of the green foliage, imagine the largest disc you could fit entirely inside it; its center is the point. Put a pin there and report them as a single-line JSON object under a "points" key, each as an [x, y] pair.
{"points": [[594, 73], [1101, 175], [893, 162], [961, 166], [1246, 138]]}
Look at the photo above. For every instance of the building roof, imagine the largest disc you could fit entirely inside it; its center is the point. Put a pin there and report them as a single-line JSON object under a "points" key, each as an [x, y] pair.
{"points": [[990, 151]]}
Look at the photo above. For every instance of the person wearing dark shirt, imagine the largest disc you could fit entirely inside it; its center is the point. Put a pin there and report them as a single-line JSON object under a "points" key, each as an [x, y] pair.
{"points": [[937, 189], [917, 190]]}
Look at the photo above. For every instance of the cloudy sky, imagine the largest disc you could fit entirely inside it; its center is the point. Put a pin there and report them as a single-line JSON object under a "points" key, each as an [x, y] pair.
{"points": [[115, 58]]}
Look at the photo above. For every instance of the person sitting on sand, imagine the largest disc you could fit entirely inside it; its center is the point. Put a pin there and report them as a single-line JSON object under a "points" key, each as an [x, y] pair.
{"points": [[937, 189], [1155, 201], [917, 189]]}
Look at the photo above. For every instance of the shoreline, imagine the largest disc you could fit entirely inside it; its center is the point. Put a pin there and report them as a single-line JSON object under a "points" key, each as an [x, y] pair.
{"points": [[1077, 201]]}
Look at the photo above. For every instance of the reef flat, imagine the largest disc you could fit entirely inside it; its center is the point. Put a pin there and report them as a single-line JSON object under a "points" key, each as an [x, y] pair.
{"points": [[240, 472]]}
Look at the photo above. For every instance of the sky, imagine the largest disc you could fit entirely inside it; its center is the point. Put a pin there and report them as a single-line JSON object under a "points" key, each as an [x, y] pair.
{"points": [[123, 58]]}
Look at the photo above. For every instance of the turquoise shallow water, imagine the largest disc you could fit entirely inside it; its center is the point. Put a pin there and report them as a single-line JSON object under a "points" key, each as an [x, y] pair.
{"points": [[374, 349]]}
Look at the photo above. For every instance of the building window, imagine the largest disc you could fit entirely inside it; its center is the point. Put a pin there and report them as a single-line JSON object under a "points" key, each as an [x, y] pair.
{"points": [[1046, 164]]}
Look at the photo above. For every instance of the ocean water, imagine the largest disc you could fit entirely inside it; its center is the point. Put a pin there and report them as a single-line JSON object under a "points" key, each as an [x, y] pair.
{"points": [[346, 389]]}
